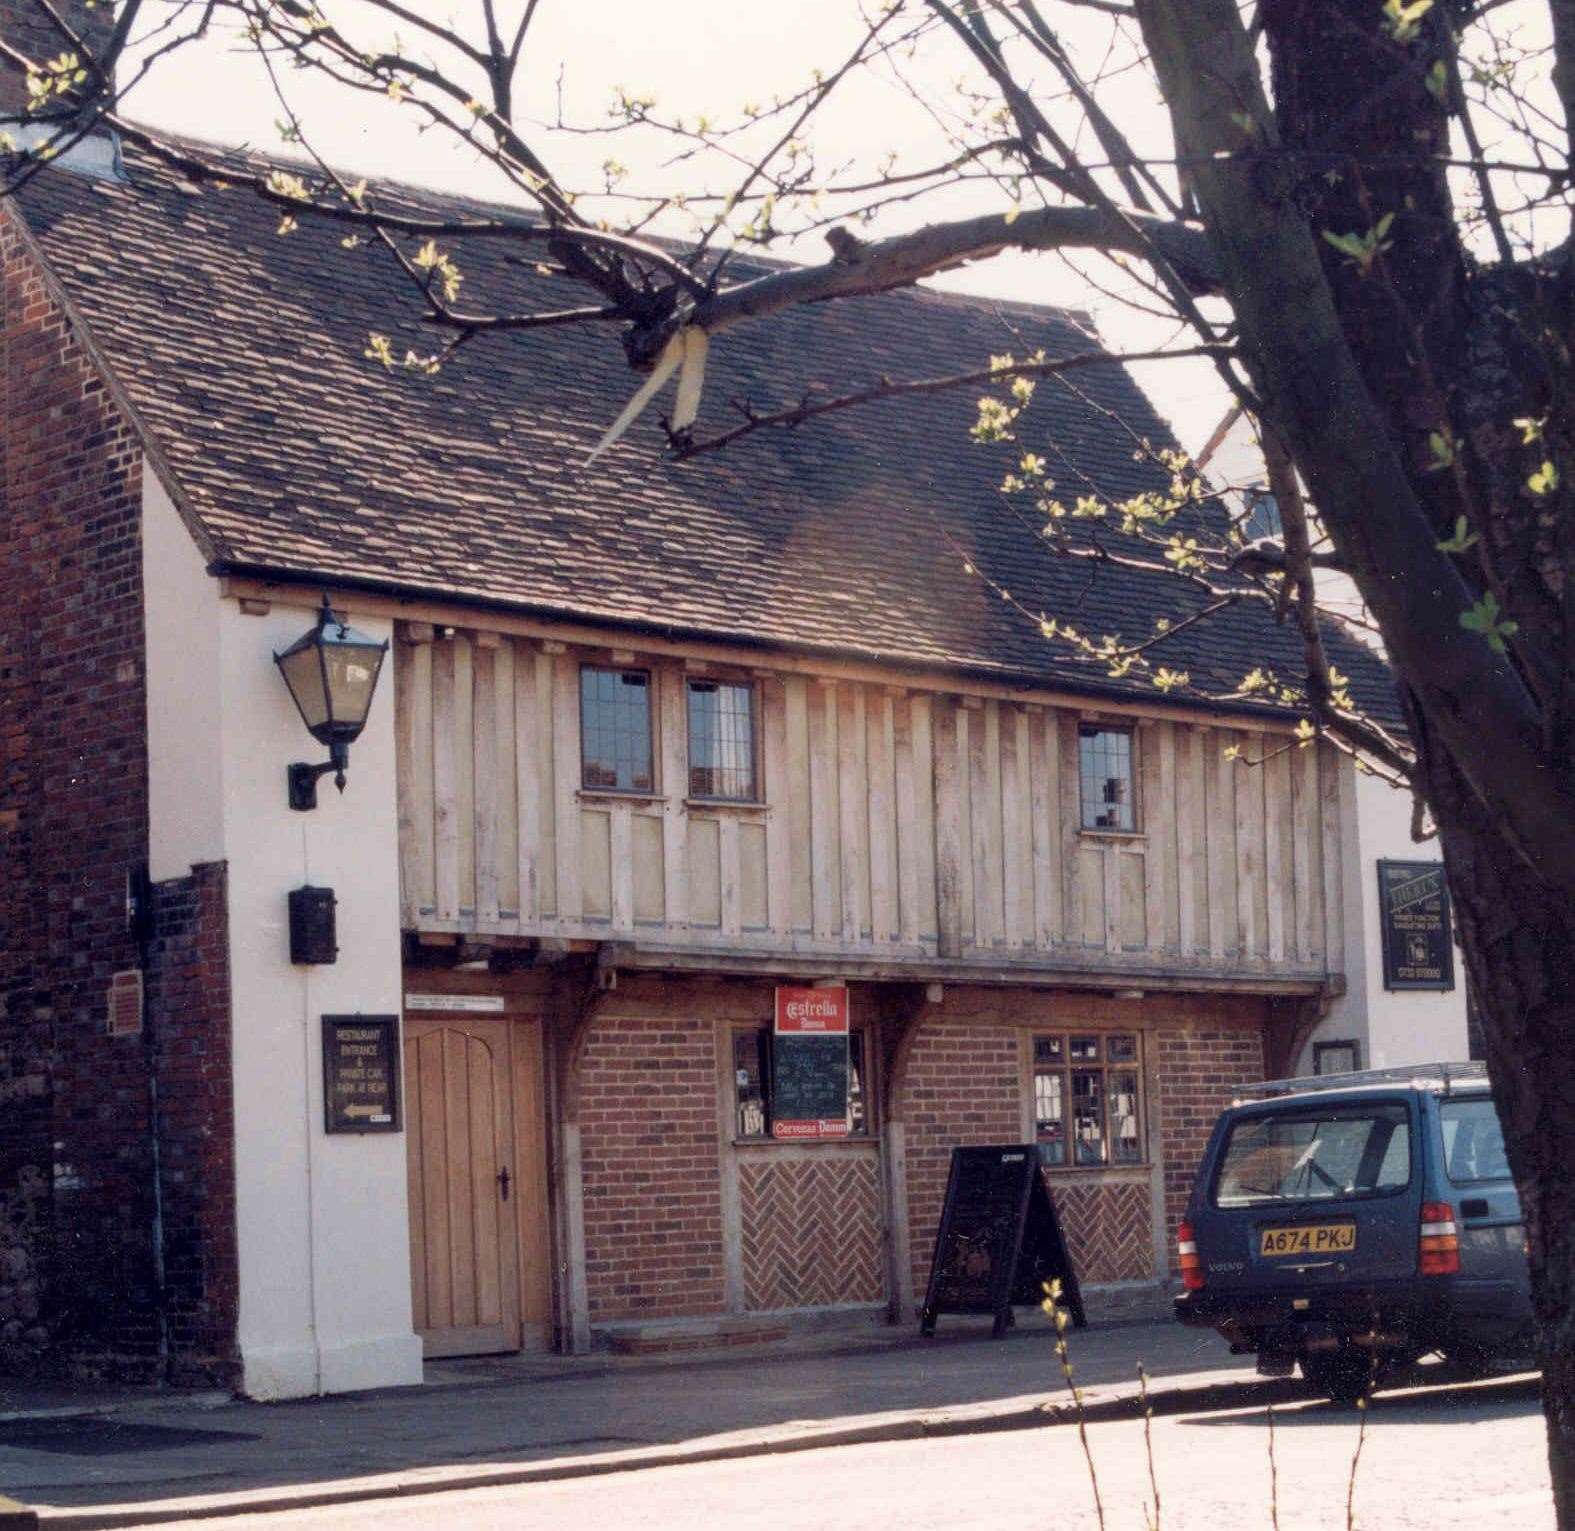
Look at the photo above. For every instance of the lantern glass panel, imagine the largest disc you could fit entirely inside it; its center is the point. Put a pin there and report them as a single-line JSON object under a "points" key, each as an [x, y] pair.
{"points": [[352, 675], [303, 674]]}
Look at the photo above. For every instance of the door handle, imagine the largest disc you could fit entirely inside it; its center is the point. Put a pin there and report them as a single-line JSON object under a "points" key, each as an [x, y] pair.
{"points": [[503, 1181], [1474, 1206]]}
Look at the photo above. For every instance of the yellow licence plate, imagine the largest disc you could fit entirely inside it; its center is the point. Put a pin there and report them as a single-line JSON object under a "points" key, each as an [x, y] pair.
{"points": [[1312, 1239]]}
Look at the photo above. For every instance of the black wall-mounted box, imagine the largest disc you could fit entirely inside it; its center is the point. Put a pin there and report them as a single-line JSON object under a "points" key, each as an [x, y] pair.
{"points": [[313, 933]]}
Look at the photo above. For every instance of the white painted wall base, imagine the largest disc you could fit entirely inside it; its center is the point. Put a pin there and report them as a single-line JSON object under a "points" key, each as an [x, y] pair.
{"points": [[393, 1360]]}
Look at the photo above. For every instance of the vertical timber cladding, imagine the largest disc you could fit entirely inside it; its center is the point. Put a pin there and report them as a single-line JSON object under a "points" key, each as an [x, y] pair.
{"points": [[894, 819], [969, 1081]]}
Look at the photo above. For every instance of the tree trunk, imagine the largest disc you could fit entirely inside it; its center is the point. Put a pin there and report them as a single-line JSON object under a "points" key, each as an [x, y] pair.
{"points": [[1519, 940]]}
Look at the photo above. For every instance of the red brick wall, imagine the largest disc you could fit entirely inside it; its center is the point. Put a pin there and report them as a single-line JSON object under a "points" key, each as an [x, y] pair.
{"points": [[78, 1278], [963, 1085], [189, 999], [648, 1140], [1199, 1068]]}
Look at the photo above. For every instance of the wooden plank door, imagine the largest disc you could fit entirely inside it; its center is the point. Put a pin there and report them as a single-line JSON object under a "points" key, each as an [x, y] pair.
{"points": [[464, 1222]]}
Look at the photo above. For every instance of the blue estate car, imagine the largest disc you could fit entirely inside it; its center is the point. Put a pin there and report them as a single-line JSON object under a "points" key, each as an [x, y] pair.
{"points": [[1354, 1222]]}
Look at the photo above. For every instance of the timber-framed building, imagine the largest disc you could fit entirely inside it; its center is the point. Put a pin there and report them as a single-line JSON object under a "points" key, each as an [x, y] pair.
{"points": [[651, 740]]}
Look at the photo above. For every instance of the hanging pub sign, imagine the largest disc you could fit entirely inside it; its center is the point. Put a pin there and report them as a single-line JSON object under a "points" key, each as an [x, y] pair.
{"points": [[361, 1073], [809, 1064], [1413, 909], [999, 1240]]}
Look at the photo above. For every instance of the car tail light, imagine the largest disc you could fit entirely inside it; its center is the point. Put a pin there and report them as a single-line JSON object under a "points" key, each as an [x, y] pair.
{"points": [[1438, 1244], [1191, 1265]]}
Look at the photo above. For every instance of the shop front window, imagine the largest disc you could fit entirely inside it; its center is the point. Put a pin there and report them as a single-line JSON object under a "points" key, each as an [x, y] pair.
{"points": [[752, 1084], [1088, 1099]]}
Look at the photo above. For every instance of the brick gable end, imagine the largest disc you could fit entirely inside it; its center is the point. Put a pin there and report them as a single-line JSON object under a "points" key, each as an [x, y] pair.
{"points": [[79, 1282]]}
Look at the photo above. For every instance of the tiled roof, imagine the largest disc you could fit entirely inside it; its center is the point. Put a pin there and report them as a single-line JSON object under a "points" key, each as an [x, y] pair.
{"points": [[243, 353]]}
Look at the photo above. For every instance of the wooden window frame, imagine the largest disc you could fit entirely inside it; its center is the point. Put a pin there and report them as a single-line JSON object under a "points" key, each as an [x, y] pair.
{"points": [[1064, 1069], [866, 1078], [652, 741], [757, 796]]}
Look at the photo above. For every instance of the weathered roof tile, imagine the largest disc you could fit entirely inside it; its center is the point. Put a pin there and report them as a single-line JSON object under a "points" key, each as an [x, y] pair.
{"points": [[243, 353]]}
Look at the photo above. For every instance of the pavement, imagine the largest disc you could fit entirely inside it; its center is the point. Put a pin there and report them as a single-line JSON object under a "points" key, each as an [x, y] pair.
{"points": [[94, 1458]]}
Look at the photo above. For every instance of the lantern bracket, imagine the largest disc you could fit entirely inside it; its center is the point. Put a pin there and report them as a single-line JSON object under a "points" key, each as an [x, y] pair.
{"points": [[303, 777]]}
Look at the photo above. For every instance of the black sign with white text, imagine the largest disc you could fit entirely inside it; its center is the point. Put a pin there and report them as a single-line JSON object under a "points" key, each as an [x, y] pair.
{"points": [[361, 1073], [1413, 909], [999, 1240]]}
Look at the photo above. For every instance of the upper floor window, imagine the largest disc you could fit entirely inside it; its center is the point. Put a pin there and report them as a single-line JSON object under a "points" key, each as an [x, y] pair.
{"points": [[1261, 518], [615, 730], [1087, 1098], [1105, 769], [722, 741]]}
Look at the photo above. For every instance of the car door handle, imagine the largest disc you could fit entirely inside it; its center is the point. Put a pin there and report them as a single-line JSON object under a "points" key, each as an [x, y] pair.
{"points": [[1474, 1206]]}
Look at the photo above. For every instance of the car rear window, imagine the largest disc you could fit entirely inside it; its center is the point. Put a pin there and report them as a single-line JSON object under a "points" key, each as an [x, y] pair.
{"points": [[1473, 1141], [1322, 1153]]}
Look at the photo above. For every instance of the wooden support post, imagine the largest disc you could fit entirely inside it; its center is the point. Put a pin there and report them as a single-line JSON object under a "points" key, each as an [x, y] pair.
{"points": [[899, 1010], [580, 986]]}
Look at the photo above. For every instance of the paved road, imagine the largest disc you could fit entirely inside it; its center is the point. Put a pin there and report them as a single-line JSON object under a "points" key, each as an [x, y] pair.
{"points": [[513, 1411], [1445, 1458]]}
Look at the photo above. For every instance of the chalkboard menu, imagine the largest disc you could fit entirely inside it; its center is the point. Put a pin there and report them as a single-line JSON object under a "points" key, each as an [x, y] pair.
{"points": [[809, 1064], [999, 1240], [1413, 908], [361, 1073]]}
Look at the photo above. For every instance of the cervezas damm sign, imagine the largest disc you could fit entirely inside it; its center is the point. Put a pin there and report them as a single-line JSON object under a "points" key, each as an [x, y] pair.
{"points": [[809, 1064]]}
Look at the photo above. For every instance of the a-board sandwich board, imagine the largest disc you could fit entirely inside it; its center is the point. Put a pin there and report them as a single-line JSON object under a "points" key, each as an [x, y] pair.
{"points": [[999, 1240]]}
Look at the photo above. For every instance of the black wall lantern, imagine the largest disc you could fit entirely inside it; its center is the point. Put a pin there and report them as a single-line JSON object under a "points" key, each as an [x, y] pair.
{"points": [[331, 672]]}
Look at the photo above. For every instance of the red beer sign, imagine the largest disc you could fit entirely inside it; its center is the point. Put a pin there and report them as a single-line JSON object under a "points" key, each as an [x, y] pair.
{"points": [[812, 1010], [809, 1064]]}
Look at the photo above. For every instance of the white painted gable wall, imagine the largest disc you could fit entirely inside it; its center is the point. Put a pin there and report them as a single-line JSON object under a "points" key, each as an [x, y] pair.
{"points": [[324, 1251]]}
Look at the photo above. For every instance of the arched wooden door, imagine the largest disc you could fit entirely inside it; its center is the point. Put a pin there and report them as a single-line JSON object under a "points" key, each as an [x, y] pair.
{"points": [[466, 1190]]}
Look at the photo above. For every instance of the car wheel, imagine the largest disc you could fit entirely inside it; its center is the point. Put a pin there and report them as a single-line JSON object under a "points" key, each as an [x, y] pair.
{"points": [[1344, 1376]]}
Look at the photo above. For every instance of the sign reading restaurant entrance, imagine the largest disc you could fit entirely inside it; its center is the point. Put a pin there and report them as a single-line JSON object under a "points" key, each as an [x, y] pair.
{"points": [[361, 1073], [1413, 907], [809, 1064], [999, 1240]]}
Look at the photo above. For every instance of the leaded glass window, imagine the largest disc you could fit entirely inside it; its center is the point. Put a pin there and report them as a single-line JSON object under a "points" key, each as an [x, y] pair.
{"points": [[1088, 1103], [1105, 771], [615, 730], [722, 741]]}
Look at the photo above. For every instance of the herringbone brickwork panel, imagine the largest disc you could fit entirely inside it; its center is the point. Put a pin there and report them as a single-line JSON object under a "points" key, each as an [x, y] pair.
{"points": [[811, 1231], [1108, 1229]]}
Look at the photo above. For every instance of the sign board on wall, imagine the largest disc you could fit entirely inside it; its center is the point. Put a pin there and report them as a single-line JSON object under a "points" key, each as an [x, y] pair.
{"points": [[361, 1073], [457, 1004], [809, 1064], [1413, 910]]}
